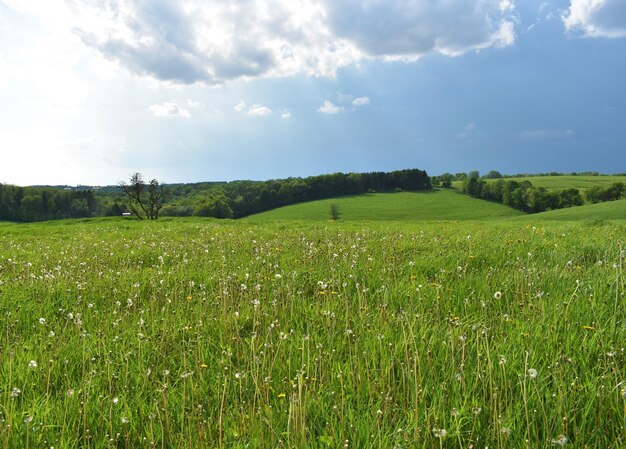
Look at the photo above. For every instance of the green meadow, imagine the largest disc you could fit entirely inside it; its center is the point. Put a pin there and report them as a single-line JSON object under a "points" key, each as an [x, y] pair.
{"points": [[186, 333], [403, 206], [581, 182]]}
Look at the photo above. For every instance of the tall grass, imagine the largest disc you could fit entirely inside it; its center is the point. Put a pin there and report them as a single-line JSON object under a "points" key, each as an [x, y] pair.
{"points": [[198, 334]]}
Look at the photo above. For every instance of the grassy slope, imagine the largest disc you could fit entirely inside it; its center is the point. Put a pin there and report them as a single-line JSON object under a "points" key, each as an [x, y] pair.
{"points": [[438, 205], [563, 182], [611, 210]]}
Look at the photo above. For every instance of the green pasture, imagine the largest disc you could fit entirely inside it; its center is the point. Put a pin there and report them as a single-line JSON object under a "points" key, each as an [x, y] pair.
{"points": [[611, 210], [403, 206], [196, 333], [563, 182]]}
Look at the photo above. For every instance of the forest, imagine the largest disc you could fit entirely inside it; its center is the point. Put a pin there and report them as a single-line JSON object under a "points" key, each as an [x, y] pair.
{"points": [[220, 200]]}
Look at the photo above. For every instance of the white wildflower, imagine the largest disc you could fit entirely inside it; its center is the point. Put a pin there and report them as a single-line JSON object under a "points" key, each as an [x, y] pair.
{"points": [[560, 441]]}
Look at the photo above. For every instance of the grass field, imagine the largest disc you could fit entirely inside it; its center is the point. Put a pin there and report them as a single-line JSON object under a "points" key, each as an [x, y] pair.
{"points": [[563, 182], [197, 333], [611, 210], [404, 206]]}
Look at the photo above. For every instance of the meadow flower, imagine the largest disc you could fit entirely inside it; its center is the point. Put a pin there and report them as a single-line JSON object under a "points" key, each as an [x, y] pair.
{"points": [[532, 373], [115, 400], [439, 433], [125, 420], [560, 441], [15, 392], [32, 364], [42, 321]]}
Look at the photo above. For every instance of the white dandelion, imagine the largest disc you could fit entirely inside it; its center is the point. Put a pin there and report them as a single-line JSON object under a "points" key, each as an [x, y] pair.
{"points": [[560, 441]]}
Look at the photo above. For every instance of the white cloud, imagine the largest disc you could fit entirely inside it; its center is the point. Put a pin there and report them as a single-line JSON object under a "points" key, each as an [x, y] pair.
{"points": [[597, 18], [194, 104], [329, 108], [506, 6], [194, 41], [259, 110], [361, 101], [545, 134], [167, 109], [285, 114], [256, 109]]}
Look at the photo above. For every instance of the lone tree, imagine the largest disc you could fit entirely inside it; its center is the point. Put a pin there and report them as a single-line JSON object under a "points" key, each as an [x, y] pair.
{"points": [[333, 212], [144, 200]]}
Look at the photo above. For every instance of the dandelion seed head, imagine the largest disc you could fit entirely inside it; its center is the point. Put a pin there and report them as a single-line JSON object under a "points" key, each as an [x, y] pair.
{"points": [[532, 373], [439, 433], [561, 440], [32, 364], [42, 321], [497, 295]]}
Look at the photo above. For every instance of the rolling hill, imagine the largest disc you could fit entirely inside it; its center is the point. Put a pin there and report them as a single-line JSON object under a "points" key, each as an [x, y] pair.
{"points": [[611, 210], [581, 182], [410, 206]]}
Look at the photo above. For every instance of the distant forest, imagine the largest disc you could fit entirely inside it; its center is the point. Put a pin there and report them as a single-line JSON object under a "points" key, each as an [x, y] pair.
{"points": [[221, 200], [241, 198]]}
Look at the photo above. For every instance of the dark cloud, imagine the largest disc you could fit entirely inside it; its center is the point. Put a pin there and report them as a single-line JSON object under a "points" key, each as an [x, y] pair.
{"points": [[416, 27]]}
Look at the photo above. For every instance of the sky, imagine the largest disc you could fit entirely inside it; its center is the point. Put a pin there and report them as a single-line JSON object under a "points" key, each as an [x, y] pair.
{"points": [[194, 90]]}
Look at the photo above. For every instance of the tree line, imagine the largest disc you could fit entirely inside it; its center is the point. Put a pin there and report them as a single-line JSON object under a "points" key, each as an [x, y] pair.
{"points": [[238, 199], [221, 200], [40, 203], [524, 196]]}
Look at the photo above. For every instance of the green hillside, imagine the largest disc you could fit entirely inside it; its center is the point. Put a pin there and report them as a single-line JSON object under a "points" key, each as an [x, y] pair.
{"points": [[611, 210], [410, 206], [562, 182]]}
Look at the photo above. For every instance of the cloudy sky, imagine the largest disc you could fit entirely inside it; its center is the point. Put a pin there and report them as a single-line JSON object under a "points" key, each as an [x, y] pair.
{"points": [[196, 90]]}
